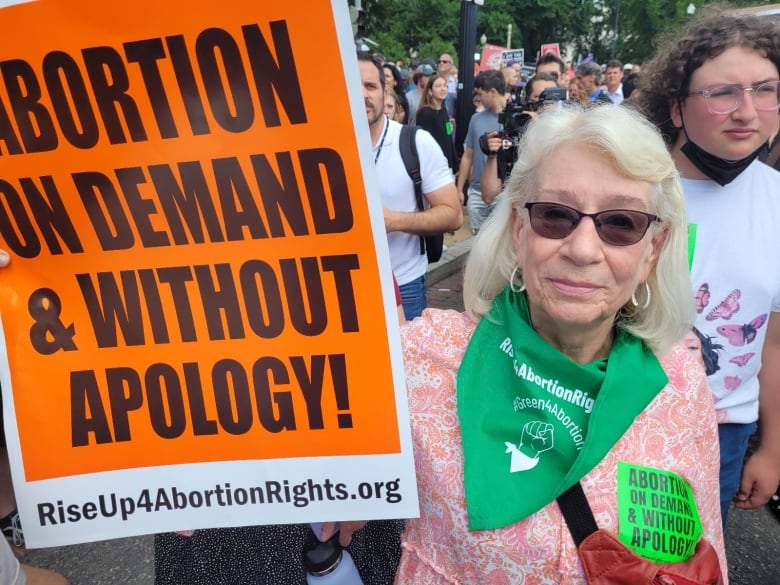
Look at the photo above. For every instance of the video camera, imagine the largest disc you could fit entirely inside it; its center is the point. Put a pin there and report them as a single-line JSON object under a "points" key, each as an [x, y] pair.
{"points": [[514, 120], [553, 94]]}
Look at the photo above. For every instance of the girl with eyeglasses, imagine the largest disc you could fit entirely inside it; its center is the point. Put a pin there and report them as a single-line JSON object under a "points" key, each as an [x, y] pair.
{"points": [[713, 92]]}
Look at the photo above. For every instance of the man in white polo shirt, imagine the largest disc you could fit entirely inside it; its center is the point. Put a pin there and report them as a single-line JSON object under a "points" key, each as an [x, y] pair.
{"points": [[404, 223]]}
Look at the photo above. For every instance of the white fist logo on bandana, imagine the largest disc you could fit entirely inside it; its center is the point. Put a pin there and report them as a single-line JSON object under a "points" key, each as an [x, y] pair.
{"points": [[537, 437]]}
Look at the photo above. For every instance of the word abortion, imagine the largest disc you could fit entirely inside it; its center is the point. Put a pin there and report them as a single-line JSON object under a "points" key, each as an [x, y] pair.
{"points": [[55, 101]]}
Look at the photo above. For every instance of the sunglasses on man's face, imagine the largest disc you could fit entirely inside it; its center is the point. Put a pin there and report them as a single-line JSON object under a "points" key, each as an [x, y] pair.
{"points": [[616, 227]]}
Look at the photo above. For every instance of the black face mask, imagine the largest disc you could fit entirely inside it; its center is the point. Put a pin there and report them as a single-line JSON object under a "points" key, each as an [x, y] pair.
{"points": [[719, 170]]}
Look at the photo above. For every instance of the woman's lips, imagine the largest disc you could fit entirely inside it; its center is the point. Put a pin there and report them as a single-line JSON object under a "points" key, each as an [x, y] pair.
{"points": [[741, 133], [574, 287]]}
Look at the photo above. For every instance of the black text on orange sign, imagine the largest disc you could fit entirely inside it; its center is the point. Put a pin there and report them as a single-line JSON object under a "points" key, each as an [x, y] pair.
{"points": [[232, 88], [257, 299], [169, 401], [174, 205]]}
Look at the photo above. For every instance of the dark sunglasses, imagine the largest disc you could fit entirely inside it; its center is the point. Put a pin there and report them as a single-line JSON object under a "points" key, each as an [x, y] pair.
{"points": [[444, 61], [617, 227]]}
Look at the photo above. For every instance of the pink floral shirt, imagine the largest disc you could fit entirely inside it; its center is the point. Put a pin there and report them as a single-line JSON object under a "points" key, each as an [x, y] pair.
{"points": [[677, 432]]}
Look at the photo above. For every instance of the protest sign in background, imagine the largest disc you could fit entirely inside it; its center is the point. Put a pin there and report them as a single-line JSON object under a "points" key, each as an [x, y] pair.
{"points": [[491, 57], [553, 48], [199, 298], [513, 56]]}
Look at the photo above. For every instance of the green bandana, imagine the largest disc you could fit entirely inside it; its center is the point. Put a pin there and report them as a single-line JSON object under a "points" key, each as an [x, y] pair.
{"points": [[533, 421]]}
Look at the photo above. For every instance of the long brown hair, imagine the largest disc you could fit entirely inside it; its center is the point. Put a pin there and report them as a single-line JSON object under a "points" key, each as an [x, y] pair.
{"points": [[427, 99]]}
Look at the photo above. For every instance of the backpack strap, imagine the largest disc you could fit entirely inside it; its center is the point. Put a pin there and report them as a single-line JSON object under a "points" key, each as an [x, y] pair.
{"points": [[408, 146]]}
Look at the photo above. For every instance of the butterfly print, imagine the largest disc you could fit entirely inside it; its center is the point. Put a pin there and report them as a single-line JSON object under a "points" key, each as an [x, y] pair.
{"points": [[732, 382], [702, 297], [743, 359], [727, 307], [741, 334]]}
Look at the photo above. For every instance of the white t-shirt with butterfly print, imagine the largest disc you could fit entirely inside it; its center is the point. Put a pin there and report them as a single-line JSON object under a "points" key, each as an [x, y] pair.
{"points": [[736, 279]]}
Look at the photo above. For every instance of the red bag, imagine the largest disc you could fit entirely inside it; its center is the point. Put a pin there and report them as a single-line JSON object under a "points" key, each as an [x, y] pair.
{"points": [[607, 561]]}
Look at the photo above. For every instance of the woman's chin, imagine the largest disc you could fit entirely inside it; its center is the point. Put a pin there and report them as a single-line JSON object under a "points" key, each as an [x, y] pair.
{"points": [[577, 311]]}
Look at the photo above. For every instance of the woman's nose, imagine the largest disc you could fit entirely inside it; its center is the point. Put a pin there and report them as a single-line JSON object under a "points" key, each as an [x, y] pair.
{"points": [[584, 245]]}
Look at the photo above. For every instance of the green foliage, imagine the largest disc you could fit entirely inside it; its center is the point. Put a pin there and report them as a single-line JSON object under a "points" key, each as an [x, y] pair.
{"points": [[432, 27], [429, 27], [389, 46], [436, 47]]}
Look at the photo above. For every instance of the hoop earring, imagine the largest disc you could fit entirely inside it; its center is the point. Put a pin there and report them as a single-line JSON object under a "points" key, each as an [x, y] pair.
{"points": [[647, 298], [512, 285]]}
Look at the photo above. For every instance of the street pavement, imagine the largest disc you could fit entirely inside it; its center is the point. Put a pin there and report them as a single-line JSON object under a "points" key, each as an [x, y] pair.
{"points": [[752, 538]]}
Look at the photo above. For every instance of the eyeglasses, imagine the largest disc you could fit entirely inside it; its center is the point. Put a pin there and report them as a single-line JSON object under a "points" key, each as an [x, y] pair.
{"points": [[724, 99], [444, 61], [617, 227]]}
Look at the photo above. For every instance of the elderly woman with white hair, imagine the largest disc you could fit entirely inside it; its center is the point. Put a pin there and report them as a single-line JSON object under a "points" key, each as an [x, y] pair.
{"points": [[566, 370]]}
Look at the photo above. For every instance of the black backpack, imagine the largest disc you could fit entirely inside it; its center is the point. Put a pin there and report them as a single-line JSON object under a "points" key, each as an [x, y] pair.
{"points": [[432, 245]]}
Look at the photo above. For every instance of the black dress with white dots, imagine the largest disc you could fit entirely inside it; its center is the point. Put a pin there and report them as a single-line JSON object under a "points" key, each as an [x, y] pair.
{"points": [[268, 555]]}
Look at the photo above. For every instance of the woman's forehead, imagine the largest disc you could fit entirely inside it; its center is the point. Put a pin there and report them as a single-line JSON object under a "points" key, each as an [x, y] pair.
{"points": [[737, 64]]}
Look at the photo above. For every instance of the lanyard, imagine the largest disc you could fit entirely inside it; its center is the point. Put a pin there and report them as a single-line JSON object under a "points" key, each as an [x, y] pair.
{"points": [[382, 142]]}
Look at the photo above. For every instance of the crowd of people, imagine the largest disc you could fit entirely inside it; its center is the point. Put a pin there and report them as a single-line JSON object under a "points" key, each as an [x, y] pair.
{"points": [[595, 263]]}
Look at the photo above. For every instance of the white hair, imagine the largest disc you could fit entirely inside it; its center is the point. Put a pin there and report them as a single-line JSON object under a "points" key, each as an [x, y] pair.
{"points": [[626, 139]]}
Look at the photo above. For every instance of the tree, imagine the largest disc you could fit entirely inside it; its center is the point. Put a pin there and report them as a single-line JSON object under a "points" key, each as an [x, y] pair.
{"points": [[587, 26], [413, 24], [641, 21]]}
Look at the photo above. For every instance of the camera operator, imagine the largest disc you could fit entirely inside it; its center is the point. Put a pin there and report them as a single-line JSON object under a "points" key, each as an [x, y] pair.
{"points": [[500, 147], [490, 87]]}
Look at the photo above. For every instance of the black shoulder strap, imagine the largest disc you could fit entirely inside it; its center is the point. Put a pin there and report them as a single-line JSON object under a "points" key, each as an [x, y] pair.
{"points": [[408, 146], [774, 152], [412, 161], [577, 513]]}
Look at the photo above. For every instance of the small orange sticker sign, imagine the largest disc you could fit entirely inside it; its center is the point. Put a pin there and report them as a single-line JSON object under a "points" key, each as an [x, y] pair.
{"points": [[196, 292]]}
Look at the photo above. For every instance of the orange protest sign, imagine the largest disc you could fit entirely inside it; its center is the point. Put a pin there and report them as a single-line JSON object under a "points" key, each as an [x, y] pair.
{"points": [[194, 273]]}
